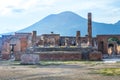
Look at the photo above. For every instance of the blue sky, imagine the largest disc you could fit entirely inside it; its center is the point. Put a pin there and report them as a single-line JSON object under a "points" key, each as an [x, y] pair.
{"points": [[18, 14]]}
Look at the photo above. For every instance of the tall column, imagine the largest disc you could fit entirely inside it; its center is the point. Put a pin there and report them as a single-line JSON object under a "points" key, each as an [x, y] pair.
{"points": [[78, 38], [89, 29]]}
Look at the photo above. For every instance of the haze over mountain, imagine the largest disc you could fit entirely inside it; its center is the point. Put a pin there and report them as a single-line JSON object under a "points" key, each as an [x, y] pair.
{"points": [[67, 23]]}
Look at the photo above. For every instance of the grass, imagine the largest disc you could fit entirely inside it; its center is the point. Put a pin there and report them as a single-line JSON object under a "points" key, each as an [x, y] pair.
{"points": [[56, 62], [109, 71], [69, 62], [47, 63]]}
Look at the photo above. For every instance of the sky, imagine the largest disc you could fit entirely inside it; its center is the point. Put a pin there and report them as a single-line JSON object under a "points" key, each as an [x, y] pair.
{"points": [[19, 14]]}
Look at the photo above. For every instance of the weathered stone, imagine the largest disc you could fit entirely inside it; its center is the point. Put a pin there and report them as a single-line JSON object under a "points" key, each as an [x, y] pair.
{"points": [[60, 56], [89, 29], [30, 59], [78, 38], [5, 56], [95, 55], [18, 56]]}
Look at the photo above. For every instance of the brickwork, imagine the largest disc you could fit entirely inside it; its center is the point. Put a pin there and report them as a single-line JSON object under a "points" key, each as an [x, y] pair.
{"points": [[78, 38], [63, 54], [71, 40], [34, 35], [17, 56], [89, 29], [60, 56], [102, 41], [49, 40], [23, 44], [5, 56], [95, 55]]}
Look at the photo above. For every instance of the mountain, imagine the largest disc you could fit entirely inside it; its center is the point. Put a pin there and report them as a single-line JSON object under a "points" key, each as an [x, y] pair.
{"points": [[67, 23]]}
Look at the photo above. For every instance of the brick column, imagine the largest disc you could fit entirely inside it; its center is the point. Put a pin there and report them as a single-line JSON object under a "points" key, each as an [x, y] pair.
{"points": [[89, 29], [34, 34], [78, 38]]}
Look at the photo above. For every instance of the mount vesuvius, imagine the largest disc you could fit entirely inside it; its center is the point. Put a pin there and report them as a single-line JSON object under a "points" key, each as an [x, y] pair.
{"points": [[67, 23]]}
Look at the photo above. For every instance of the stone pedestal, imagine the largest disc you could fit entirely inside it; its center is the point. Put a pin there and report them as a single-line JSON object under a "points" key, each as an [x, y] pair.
{"points": [[29, 59]]}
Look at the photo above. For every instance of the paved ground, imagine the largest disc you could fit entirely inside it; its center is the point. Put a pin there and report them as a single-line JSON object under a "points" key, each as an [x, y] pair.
{"points": [[63, 71]]}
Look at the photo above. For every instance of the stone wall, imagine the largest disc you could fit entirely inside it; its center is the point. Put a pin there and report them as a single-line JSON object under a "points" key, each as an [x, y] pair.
{"points": [[42, 49], [17, 56], [5, 56], [102, 41], [55, 56], [95, 55], [61, 56]]}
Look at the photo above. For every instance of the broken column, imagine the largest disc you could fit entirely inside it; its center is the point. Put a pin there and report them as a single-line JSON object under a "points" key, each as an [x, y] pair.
{"points": [[78, 38], [34, 34]]}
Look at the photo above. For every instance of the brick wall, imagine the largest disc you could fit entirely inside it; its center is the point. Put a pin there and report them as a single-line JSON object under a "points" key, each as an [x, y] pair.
{"points": [[5, 56], [95, 55], [60, 56], [17, 56], [56, 56]]}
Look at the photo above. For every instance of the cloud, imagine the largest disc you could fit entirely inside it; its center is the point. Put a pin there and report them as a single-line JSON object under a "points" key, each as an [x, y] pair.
{"points": [[8, 6], [14, 9], [18, 10]]}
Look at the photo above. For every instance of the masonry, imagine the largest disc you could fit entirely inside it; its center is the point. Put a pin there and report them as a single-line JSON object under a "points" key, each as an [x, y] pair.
{"points": [[64, 47]]}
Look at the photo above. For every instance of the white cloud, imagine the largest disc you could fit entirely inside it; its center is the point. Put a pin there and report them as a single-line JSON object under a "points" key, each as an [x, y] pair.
{"points": [[6, 6]]}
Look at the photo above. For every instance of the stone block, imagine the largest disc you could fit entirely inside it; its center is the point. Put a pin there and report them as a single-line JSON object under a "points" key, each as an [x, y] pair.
{"points": [[95, 55], [29, 59]]}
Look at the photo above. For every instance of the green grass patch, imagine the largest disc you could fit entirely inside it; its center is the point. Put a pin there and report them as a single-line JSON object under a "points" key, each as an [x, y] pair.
{"points": [[59, 62], [109, 71], [47, 63], [69, 62]]}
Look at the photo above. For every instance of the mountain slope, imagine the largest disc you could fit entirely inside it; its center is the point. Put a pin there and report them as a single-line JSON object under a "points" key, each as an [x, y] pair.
{"points": [[67, 23]]}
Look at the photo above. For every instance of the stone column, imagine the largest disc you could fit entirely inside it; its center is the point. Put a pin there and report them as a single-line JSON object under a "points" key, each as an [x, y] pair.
{"points": [[78, 38], [67, 44], [89, 29], [34, 34]]}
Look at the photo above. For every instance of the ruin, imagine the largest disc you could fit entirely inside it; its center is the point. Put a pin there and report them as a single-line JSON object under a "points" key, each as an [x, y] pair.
{"points": [[55, 47]]}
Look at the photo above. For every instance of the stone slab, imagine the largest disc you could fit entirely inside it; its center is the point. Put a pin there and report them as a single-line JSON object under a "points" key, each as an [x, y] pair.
{"points": [[29, 59]]}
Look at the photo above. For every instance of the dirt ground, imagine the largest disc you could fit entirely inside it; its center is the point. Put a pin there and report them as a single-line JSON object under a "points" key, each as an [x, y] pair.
{"points": [[70, 71]]}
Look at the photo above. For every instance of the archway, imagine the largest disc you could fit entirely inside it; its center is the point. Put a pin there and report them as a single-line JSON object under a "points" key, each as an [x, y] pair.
{"points": [[113, 44]]}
